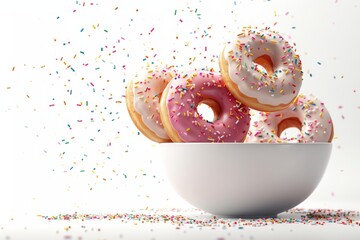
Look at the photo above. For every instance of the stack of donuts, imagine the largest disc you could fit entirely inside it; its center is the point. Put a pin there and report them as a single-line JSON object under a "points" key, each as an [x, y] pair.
{"points": [[254, 97]]}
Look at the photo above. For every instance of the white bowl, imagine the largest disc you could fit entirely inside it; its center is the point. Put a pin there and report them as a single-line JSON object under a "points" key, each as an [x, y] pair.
{"points": [[245, 179]]}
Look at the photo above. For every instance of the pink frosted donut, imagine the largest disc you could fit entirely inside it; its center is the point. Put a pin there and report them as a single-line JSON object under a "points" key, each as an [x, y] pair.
{"points": [[307, 113], [182, 121]]}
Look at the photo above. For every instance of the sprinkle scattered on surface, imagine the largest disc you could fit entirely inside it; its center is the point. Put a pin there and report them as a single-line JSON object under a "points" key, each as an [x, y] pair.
{"points": [[198, 218]]}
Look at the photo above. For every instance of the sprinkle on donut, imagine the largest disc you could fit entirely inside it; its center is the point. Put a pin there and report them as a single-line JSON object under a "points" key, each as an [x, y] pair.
{"points": [[307, 113], [182, 121], [261, 69]]}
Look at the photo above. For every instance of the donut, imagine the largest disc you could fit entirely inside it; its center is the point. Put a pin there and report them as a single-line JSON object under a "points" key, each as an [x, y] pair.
{"points": [[307, 113], [261, 69], [143, 99], [180, 116]]}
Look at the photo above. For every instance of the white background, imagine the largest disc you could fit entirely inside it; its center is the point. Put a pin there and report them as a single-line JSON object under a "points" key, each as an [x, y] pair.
{"points": [[67, 142]]}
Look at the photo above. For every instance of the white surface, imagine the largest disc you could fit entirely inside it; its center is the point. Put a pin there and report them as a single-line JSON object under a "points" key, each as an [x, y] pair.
{"points": [[244, 180], [203, 226], [46, 144]]}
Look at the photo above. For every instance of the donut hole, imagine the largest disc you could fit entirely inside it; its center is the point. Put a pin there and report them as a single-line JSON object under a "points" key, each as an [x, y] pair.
{"points": [[264, 64], [289, 129], [209, 110]]}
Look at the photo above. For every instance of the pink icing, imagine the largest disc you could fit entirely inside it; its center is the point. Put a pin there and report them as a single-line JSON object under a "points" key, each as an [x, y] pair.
{"points": [[316, 122], [187, 91]]}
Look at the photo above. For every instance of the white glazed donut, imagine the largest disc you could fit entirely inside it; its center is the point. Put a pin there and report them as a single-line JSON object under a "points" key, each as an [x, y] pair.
{"points": [[261, 69], [307, 113], [143, 98]]}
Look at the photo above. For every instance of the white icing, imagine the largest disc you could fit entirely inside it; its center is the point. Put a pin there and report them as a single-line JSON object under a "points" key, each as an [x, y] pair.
{"points": [[315, 119], [283, 85], [148, 86]]}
